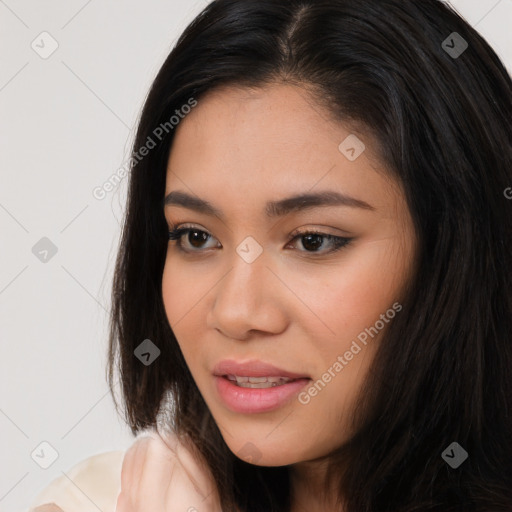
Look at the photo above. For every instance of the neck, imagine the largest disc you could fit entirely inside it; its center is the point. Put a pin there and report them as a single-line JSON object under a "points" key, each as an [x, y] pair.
{"points": [[308, 488]]}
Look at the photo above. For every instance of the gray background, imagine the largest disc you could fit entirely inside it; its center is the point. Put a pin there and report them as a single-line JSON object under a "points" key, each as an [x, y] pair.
{"points": [[66, 123]]}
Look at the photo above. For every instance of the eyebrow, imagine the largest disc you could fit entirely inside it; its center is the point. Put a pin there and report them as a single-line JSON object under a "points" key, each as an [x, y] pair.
{"points": [[279, 208]]}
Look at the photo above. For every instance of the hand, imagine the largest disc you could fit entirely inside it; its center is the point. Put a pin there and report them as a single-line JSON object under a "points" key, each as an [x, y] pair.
{"points": [[164, 477], [48, 507]]}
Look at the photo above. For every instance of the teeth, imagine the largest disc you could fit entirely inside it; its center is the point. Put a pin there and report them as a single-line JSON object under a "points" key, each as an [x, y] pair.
{"points": [[257, 385], [258, 382], [279, 380]]}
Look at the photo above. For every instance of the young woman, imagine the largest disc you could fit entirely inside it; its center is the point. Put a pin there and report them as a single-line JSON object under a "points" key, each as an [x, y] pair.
{"points": [[312, 306]]}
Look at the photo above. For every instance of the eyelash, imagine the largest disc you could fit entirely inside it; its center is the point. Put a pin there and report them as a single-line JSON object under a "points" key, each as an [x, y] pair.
{"points": [[176, 233]]}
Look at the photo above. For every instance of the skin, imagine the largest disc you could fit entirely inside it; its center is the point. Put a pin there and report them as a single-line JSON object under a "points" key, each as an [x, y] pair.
{"points": [[294, 308], [162, 475]]}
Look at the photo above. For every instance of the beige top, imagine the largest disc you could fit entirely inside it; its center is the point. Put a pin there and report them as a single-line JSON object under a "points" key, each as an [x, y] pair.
{"points": [[93, 484], [155, 473]]}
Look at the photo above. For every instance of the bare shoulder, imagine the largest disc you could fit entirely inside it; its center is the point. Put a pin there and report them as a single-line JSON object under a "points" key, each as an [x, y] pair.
{"points": [[161, 473]]}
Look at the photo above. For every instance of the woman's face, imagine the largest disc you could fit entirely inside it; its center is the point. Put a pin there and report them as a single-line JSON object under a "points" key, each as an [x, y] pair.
{"points": [[249, 293]]}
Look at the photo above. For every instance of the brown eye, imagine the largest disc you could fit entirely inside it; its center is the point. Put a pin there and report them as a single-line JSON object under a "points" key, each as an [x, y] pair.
{"points": [[197, 238], [312, 242], [194, 241], [321, 243]]}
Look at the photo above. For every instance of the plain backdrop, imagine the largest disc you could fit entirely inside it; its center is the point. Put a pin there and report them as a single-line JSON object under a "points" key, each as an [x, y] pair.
{"points": [[66, 122]]}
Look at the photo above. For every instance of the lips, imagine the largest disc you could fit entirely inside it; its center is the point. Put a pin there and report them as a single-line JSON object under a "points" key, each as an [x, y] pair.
{"points": [[256, 387], [254, 369]]}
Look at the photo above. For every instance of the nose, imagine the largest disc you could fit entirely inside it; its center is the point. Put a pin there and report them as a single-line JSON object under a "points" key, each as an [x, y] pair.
{"points": [[248, 299]]}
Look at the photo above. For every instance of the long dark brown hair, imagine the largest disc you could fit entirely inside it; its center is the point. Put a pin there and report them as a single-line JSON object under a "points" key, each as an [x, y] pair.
{"points": [[441, 114]]}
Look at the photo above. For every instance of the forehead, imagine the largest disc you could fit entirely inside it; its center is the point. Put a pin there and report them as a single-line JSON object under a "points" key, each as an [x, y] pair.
{"points": [[247, 120], [268, 141]]}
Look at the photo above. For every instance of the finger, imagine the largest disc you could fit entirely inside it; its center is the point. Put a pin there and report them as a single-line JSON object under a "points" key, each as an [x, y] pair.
{"points": [[48, 507]]}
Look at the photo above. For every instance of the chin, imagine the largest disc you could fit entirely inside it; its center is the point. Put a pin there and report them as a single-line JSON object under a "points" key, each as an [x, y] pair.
{"points": [[264, 453]]}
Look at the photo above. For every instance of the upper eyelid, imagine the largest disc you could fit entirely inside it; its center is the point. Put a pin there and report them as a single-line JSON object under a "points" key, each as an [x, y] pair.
{"points": [[295, 232]]}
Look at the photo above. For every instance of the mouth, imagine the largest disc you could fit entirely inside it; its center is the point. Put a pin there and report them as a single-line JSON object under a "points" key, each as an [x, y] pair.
{"points": [[258, 382], [254, 372], [255, 386]]}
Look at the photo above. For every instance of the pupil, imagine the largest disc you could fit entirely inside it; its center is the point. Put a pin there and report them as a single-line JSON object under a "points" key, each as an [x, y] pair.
{"points": [[312, 242], [201, 238]]}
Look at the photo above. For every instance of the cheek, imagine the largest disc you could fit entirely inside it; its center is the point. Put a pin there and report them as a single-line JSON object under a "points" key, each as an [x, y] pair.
{"points": [[357, 304], [171, 284], [366, 288], [185, 285], [351, 295], [182, 302]]}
